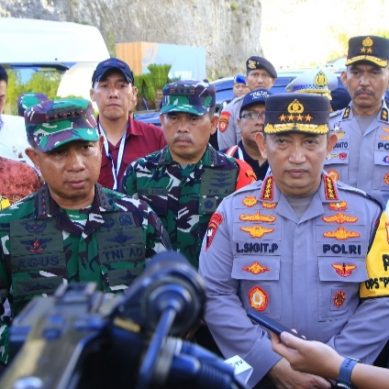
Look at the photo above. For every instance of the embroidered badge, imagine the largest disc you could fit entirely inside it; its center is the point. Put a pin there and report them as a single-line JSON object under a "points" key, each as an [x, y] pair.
{"points": [[257, 217], [339, 298], [340, 218], [339, 206], [213, 225], [268, 205], [249, 201], [256, 268], [223, 121], [36, 246], [386, 178], [329, 187], [367, 44], [384, 138], [340, 133], [341, 234], [343, 269], [267, 189], [35, 226], [257, 231], [258, 298]]}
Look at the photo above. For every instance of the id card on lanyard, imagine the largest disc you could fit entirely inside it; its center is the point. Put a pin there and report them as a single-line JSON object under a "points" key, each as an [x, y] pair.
{"points": [[115, 167]]}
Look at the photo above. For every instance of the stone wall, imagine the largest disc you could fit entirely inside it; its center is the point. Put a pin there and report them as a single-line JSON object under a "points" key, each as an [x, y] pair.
{"points": [[228, 29]]}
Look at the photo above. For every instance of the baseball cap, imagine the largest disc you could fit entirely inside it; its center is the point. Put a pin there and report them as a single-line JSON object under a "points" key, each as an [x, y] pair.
{"points": [[195, 97], [368, 48], [54, 123], [239, 79], [256, 96], [112, 64], [306, 113], [255, 62]]}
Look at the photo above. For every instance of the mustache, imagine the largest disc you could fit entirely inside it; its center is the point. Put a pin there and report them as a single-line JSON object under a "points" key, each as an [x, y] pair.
{"points": [[182, 138], [364, 92]]}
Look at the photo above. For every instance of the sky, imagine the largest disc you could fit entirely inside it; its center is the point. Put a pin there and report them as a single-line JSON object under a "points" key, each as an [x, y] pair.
{"points": [[305, 33]]}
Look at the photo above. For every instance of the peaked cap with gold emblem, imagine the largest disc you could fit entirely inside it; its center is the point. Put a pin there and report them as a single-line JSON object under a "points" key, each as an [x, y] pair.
{"points": [[307, 113], [369, 48]]}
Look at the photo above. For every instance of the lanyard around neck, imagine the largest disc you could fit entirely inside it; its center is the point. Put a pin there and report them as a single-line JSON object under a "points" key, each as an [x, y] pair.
{"points": [[115, 169]]}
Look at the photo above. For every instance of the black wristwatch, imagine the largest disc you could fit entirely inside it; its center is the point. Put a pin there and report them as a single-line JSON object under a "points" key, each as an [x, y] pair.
{"points": [[344, 377]]}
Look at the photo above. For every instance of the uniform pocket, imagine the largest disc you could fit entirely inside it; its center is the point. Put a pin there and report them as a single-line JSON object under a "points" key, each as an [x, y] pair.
{"points": [[340, 280], [259, 278]]}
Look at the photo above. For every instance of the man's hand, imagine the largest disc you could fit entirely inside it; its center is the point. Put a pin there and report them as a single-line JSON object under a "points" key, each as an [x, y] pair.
{"points": [[284, 377]]}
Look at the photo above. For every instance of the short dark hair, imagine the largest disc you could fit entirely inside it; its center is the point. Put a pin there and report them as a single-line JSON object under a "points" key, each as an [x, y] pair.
{"points": [[3, 74]]}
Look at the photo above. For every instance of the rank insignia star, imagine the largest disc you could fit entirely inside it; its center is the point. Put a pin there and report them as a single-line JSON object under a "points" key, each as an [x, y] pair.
{"points": [[257, 217], [257, 231], [256, 268], [340, 218], [341, 234], [343, 269]]}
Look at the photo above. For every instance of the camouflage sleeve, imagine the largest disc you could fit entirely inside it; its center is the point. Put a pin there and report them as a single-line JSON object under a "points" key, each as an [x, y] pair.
{"points": [[157, 238], [128, 184]]}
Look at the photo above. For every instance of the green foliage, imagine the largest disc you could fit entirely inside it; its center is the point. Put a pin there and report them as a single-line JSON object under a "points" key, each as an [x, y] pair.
{"points": [[150, 84], [43, 81]]}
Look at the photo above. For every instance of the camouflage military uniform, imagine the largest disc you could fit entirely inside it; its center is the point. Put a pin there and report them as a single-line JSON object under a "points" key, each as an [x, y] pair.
{"points": [[183, 198], [41, 248]]}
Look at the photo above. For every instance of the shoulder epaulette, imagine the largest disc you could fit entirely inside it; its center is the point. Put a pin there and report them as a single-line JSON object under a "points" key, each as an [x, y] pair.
{"points": [[360, 192]]}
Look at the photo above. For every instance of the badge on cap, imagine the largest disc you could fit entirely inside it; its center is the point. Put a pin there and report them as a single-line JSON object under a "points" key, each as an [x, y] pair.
{"points": [[367, 44]]}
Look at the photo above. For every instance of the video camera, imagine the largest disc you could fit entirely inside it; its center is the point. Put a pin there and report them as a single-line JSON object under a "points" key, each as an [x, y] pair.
{"points": [[82, 338]]}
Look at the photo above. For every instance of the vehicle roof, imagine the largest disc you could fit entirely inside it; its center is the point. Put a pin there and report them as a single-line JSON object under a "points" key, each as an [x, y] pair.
{"points": [[43, 41]]}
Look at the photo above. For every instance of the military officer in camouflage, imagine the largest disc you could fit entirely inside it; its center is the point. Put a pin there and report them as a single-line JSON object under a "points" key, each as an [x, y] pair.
{"points": [[260, 74], [293, 248], [361, 155], [185, 181], [71, 229]]}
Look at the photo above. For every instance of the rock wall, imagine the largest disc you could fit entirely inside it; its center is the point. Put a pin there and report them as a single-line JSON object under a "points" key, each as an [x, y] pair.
{"points": [[228, 29]]}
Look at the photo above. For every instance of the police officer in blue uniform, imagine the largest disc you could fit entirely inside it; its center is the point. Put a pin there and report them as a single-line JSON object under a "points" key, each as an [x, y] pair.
{"points": [[361, 155], [293, 248]]}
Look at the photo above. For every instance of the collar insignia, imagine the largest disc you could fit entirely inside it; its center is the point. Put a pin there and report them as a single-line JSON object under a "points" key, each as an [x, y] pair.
{"points": [[384, 114], [267, 189], [329, 188], [346, 113]]}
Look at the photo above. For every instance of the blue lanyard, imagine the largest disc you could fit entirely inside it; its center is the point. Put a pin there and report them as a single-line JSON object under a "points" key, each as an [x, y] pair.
{"points": [[115, 169]]}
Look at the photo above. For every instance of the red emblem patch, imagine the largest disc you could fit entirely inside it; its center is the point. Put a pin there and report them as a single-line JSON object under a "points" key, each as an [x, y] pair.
{"points": [[343, 269], [36, 247], [224, 119], [213, 225], [339, 298], [386, 178], [258, 298]]}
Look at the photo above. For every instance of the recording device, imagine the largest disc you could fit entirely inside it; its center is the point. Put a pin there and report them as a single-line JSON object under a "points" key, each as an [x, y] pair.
{"points": [[82, 338], [269, 323]]}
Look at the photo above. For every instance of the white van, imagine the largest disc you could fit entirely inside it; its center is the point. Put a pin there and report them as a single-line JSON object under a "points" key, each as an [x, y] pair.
{"points": [[48, 48]]}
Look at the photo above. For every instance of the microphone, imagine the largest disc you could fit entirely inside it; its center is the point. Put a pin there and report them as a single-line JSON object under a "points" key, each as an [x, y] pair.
{"points": [[169, 283]]}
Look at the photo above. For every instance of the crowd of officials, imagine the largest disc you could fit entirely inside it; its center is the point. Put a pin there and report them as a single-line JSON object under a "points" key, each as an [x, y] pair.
{"points": [[286, 217]]}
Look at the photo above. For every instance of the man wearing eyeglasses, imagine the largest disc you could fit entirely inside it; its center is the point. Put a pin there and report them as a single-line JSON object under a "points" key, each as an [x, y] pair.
{"points": [[260, 74], [251, 121], [125, 139]]}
